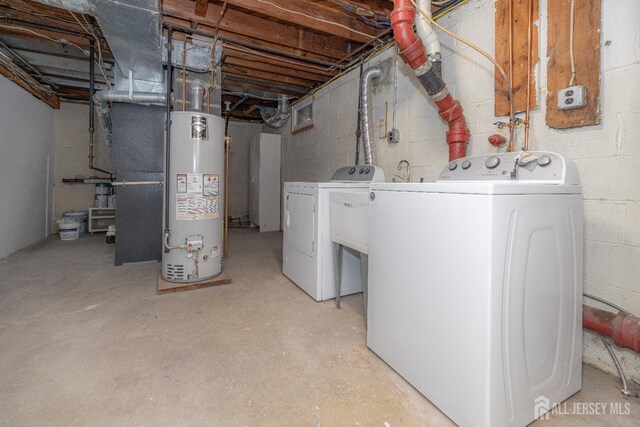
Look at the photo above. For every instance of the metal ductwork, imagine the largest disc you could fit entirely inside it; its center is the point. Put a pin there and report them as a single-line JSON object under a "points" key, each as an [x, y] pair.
{"points": [[197, 95], [80, 6], [368, 76], [103, 97], [133, 30], [277, 117]]}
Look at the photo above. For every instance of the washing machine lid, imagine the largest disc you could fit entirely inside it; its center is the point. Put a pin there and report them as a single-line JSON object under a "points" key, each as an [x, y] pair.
{"points": [[466, 187], [309, 185]]}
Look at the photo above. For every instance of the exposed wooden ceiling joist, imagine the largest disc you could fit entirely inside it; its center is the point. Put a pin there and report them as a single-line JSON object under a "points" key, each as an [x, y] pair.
{"points": [[312, 16], [272, 46], [239, 52], [32, 86], [258, 30], [252, 63], [266, 76], [232, 82], [201, 7]]}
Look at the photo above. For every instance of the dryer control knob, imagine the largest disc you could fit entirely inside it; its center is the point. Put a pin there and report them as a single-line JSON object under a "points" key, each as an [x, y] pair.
{"points": [[544, 160], [352, 170], [466, 164], [492, 162], [453, 166]]}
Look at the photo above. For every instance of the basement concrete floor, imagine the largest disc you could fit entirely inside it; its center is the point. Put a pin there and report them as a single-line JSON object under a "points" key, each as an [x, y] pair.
{"points": [[85, 343]]}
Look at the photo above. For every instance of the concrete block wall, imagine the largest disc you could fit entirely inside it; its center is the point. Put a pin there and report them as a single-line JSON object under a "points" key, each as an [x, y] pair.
{"points": [[606, 154], [26, 164]]}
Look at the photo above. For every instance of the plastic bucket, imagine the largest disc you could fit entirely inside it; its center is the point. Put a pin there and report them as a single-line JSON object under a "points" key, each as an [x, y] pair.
{"points": [[69, 229], [79, 216], [101, 201]]}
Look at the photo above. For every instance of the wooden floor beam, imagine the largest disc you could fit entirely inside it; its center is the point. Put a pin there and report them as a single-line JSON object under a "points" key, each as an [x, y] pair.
{"points": [[31, 86]]}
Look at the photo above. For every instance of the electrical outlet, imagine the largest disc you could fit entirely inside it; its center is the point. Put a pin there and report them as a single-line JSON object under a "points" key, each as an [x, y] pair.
{"points": [[394, 136], [572, 97]]}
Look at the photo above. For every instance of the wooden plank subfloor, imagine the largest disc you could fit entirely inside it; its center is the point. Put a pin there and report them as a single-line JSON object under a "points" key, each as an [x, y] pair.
{"points": [[165, 287]]}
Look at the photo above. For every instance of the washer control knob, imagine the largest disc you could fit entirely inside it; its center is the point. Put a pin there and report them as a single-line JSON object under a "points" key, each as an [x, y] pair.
{"points": [[453, 166], [352, 170], [492, 162], [544, 160], [361, 170], [366, 172], [466, 164]]}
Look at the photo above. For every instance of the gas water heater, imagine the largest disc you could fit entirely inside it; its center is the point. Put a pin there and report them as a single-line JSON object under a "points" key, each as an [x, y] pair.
{"points": [[195, 178]]}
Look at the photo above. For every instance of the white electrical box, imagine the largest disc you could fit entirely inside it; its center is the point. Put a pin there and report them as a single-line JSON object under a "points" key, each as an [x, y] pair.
{"points": [[572, 97]]}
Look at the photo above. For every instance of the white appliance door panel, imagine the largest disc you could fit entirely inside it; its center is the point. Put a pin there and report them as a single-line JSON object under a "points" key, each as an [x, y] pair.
{"points": [[429, 296], [300, 260], [541, 302], [300, 222]]}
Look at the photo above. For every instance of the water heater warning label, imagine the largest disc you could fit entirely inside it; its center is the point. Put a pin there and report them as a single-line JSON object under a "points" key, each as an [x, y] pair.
{"points": [[211, 184], [196, 207], [196, 196], [194, 184]]}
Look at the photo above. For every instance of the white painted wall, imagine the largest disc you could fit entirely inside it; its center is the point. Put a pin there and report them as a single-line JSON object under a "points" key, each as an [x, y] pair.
{"points": [[26, 164], [607, 155], [71, 151], [243, 135]]}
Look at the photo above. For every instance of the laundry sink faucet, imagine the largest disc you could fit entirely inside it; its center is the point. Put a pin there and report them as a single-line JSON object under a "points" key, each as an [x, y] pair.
{"points": [[408, 169]]}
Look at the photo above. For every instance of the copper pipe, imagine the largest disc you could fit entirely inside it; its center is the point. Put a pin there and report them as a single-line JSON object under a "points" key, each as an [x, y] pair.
{"points": [[529, 54], [226, 195], [212, 78], [512, 124]]}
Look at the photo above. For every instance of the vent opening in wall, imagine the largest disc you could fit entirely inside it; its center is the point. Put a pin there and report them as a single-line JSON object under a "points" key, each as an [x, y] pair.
{"points": [[175, 272]]}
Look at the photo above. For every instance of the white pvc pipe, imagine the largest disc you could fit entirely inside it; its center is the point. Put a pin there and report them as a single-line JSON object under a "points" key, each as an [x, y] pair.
{"points": [[125, 183], [424, 29]]}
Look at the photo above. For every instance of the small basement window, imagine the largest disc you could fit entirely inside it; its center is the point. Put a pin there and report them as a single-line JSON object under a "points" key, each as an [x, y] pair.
{"points": [[302, 116]]}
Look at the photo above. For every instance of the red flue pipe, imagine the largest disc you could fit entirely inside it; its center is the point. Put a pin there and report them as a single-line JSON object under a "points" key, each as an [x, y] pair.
{"points": [[623, 328], [412, 52], [458, 135], [411, 47]]}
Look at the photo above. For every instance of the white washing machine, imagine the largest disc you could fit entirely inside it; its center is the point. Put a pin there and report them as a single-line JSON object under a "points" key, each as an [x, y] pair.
{"points": [[307, 246], [475, 286]]}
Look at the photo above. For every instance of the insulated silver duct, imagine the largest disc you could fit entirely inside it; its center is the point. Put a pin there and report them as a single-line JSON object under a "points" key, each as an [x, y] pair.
{"points": [[368, 75], [81, 6], [133, 29], [103, 97], [277, 117]]}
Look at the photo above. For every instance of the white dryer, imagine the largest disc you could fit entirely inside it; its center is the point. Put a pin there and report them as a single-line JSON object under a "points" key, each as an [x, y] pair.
{"points": [[475, 286], [307, 248]]}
